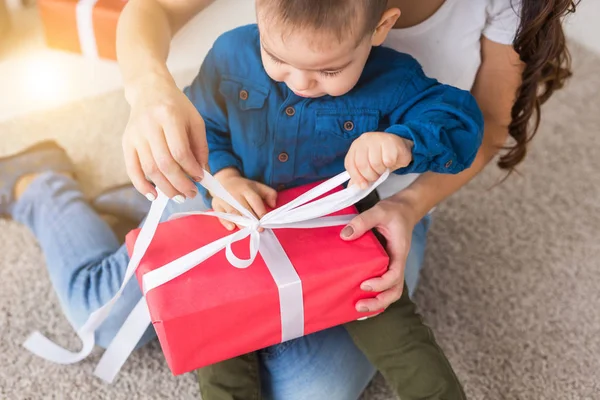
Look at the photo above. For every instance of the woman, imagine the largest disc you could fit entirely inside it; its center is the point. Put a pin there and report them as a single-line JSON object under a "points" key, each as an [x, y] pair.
{"points": [[480, 45]]}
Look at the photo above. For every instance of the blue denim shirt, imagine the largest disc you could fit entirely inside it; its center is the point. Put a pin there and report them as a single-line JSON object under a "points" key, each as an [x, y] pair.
{"points": [[273, 136]]}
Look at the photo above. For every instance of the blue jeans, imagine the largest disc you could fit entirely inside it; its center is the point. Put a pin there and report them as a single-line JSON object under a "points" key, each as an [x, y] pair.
{"points": [[86, 264]]}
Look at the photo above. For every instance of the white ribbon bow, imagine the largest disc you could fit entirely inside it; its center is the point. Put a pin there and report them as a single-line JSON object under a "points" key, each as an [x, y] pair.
{"points": [[302, 212]]}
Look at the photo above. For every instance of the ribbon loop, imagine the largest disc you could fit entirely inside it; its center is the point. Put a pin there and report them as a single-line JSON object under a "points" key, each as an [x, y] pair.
{"points": [[254, 246]]}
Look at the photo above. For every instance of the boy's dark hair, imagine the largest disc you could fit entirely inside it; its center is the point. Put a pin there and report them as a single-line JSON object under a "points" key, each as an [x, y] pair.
{"points": [[343, 18]]}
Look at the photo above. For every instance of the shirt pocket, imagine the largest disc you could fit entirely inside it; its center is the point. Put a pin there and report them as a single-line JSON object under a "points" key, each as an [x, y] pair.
{"points": [[245, 110], [336, 129]]}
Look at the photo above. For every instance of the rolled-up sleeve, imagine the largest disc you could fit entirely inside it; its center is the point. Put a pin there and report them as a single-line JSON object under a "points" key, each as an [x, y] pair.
{"points": [[444, 123]]}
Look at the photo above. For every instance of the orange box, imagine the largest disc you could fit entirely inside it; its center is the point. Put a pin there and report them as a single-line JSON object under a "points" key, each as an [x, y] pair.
{"points": [[82, 26]]}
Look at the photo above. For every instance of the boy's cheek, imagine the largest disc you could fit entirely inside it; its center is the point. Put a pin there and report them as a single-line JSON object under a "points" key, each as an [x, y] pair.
{"points": [[340, 86], [275, 72]]}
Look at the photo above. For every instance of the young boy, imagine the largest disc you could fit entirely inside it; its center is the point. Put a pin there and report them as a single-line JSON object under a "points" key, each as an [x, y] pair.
{"points": [[304, 95]]}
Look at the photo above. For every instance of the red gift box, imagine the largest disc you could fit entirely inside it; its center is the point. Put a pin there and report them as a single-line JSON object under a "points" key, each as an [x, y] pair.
{"points": [[82, 26], [215, 312]]}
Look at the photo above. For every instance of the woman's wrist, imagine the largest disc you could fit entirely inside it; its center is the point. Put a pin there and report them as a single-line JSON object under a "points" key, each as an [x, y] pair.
{"points": [[431, 188], [409, 202], [153, 79]]}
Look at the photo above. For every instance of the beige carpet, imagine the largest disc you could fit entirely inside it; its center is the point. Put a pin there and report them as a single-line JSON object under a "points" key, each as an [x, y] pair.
{"points": [[510, 285]]}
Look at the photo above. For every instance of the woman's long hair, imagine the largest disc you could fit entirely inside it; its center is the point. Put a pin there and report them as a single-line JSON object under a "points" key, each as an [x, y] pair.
{"points": [[540, 43]]}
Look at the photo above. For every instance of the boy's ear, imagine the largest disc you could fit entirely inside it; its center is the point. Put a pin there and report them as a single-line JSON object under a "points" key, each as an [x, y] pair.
{"points": [[387, 22]]}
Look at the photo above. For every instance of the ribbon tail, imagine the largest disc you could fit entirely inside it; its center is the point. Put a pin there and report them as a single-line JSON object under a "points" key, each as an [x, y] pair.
{"points": [[124, 342], [44, 348]]}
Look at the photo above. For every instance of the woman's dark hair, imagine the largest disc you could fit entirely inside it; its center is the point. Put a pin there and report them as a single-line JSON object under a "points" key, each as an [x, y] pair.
{"points": [[540, 43]]}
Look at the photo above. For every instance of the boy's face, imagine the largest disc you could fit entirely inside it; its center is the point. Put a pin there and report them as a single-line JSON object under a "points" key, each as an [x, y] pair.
{"points": [[313, 65]]}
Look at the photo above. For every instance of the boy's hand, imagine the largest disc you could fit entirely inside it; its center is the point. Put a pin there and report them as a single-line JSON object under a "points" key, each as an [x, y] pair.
{"points": [[374, 152], [250, 194]]}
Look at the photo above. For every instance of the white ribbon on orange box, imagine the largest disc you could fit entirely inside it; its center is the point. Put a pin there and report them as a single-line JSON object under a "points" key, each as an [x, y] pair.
{"points": [[84, 14], [302, 212]]}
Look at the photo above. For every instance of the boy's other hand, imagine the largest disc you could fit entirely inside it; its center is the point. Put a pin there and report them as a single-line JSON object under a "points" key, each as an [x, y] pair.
{"points": [[374, 152], [250, 194]]}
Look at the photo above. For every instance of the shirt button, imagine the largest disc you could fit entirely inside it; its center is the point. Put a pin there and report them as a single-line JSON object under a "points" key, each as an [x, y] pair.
{"points": [[243, 94], [448, 164], [289, 111], [348, 125], [280, 187], [283, 157]]}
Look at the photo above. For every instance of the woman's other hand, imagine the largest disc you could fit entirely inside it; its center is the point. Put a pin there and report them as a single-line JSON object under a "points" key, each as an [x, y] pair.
{"points": [[395, 219]]}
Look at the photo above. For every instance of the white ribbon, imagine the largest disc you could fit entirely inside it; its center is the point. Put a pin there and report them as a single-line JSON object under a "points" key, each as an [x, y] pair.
{"points": [[84, 12], [302, 212]]}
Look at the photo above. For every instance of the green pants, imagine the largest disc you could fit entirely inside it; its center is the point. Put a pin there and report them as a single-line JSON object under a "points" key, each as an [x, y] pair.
{"points": [[396, 342]]}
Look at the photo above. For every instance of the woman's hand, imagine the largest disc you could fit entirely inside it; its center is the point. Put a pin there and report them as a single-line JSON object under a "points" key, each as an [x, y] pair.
{"points": [[395, 218], [250, 194], [164, 141]]}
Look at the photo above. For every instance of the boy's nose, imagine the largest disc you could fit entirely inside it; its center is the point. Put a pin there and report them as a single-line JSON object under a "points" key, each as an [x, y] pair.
{"points": [[300, 81]]}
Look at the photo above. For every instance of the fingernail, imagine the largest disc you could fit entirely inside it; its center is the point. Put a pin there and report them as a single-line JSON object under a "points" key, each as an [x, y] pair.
{"points": [[191, 194], [179, 199], [150, 196], [347, 231], [366, 288], [196, 178], [362, 309]]}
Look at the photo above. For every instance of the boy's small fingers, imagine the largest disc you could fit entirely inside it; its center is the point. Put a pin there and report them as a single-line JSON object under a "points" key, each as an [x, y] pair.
{"points": [[376, 156], [369, 173], [256, 204], [404, 154], [355, 177], [360, 180], [390, 157], [363, 165], [216, 205], [220, 206], [228, 225], [268, 194], [272, 201]]}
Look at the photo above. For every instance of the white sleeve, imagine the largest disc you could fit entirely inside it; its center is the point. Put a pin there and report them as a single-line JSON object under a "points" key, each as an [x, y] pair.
{"points": [[503, 19]]}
